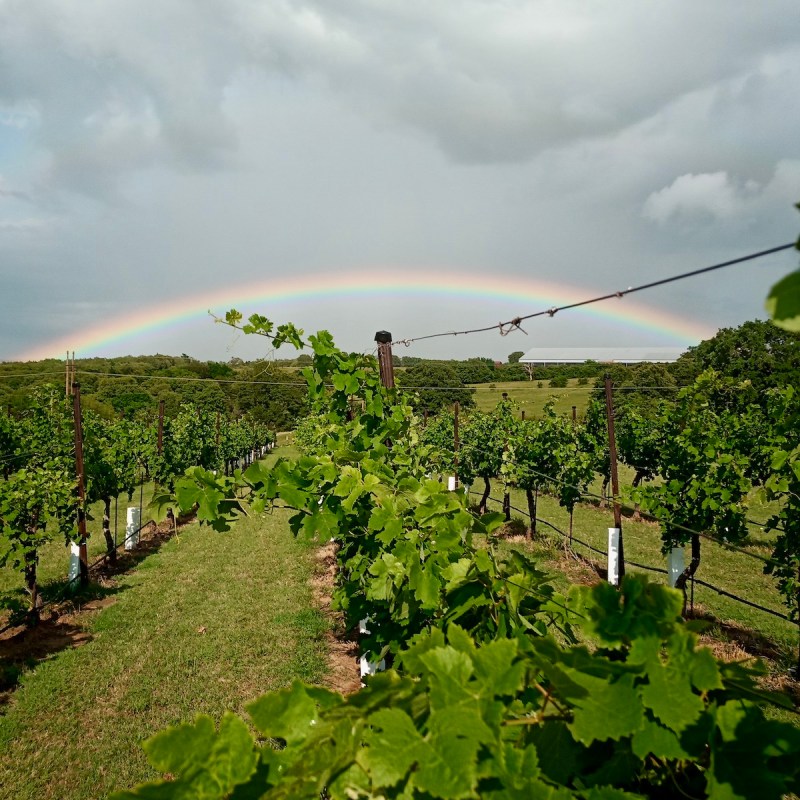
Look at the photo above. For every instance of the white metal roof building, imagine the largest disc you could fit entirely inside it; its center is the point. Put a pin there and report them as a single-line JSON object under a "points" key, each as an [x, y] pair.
{"points": [[603, 355]]}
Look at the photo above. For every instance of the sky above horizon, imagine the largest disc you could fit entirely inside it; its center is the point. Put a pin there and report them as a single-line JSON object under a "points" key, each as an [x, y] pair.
{"points": [[411, 166]]}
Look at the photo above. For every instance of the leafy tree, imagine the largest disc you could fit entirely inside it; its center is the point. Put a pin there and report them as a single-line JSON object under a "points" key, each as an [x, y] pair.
{"points": [[757, 351], [129, 403], [11, 445], [273, 398], [533, 457], [38, 502], [439, 435], [435, 386], [36, 505], [217, 370], [685, 370], [204, 394], [473, 371], [110, 465], [639, 444], [546, 453], [592, 437], [783, 485], [513, 358], [512, 372]]}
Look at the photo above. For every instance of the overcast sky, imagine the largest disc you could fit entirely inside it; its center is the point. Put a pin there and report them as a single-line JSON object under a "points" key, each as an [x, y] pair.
{"points": [[151, 152]]}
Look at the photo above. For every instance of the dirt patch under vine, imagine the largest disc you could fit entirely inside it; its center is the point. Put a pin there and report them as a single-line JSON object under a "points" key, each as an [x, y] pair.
{"points": [[344, 674]]}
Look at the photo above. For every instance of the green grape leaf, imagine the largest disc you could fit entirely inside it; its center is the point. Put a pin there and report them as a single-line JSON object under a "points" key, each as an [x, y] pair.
{"points": [[783, 302], [657, 740], [608, 710], [233, 757], [351, 782], [492, 521], [294, 497], [449, 672], [179, 748], [427, 586], [394, 745], [455, 574], [446, 767], [385, 519], [559, 754], [668, 694], [420, 645], [608, 793], [753, 757], [495, 667], [208, 764], [288, 714], [460, 640], [704, 671], [520, 773], [321, 522]]}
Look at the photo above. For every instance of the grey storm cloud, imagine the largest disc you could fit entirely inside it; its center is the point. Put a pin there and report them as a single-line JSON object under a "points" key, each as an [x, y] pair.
{"points": [[123, 86], [150, 141]]}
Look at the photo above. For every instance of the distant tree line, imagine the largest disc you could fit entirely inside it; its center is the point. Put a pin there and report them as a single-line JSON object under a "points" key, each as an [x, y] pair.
{"points": [[757, 353], [132, 386]]}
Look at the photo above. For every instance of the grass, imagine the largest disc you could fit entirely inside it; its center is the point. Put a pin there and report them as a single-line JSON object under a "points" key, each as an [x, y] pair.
{"points": [[530, 398], [54, 557], [210, 621], [762, 633], [206, 623]]}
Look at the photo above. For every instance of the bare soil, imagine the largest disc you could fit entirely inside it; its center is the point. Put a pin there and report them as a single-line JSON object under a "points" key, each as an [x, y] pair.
{"points": [[344, 674]]}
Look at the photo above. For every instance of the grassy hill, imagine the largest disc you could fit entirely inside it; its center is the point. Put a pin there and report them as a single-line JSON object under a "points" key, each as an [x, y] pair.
{"points": [[530, 398]]}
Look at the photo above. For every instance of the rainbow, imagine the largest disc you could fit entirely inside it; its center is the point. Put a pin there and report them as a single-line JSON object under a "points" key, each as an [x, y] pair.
{"points": [[519, 296]]}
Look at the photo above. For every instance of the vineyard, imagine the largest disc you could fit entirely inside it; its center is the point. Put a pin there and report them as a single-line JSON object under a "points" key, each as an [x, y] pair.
{"points": [[429, 426], [487, 675], [44, 449], [497, 684], [702, 464]]}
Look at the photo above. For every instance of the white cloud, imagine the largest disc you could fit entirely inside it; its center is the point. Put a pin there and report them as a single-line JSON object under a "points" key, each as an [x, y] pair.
{"points": [[19, 117], [720, 196], [688, 195], [7, 190]]}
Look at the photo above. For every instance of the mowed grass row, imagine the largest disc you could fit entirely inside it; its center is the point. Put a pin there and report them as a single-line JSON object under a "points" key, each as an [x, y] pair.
{"points": [[731, 571], [208, 622], [54, 556], [735, 572]]}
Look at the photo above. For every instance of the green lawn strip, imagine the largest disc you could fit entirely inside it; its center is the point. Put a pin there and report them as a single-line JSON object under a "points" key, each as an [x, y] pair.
{"points": [[208, 622], [719, 566], [54, 556], [549, 553]]}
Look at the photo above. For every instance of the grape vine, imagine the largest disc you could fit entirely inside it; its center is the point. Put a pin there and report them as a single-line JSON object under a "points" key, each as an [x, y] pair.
{"points": [[492, 693]]}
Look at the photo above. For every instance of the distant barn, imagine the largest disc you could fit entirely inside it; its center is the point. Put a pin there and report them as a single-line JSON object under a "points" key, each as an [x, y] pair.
{"points": [[602, 355]]}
